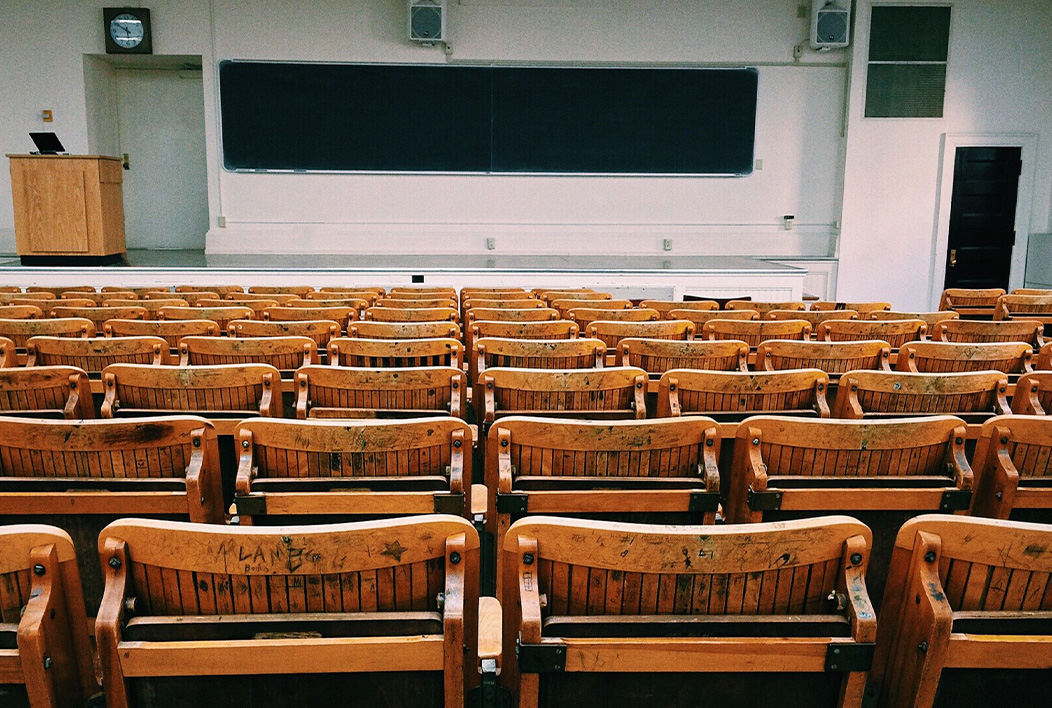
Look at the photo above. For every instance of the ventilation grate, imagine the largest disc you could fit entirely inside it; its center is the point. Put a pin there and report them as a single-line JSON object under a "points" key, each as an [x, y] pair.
{"points": [[908, 50]]}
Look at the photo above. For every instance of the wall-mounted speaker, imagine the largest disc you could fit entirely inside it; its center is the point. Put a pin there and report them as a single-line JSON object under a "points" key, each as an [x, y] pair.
{"points": [[830, 24], [427, 20]]}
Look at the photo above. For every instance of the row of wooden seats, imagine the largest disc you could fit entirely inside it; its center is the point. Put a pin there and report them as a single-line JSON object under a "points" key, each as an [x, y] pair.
{"points": [[686, 609]]}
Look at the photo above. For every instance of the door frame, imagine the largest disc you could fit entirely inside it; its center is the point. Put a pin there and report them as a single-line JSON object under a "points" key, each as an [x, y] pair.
{"points": [[1024, 199]]}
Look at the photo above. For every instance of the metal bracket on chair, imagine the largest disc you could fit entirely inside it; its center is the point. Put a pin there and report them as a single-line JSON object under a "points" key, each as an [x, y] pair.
{"points": [[489, 694], [704, 501], [955, 500], [449, 503], [252, 505], [764, 501], [515, 503], [857, 656], [540, 658]]}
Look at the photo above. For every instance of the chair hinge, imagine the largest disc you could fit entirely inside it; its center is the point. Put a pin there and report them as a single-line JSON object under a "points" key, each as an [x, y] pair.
{"points": [[540, 658], [489, 694], [252, 505], [857, 656], [765, 501], [955, 500], [704, 501], [449, 503], [513, 503]]}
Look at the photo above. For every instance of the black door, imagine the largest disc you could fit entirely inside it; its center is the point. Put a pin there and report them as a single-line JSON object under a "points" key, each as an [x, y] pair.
{"points": [[982, 217]]}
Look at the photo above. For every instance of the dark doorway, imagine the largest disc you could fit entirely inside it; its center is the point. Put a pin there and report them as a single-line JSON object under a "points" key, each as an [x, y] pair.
{"points": [[982, 217]]}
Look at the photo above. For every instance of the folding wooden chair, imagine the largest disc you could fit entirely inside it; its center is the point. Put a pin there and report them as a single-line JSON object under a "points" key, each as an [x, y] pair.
{"points": [[764, 307], [44, 648], [223, 290], [416, 302], [321, 331], [752, 332], [564, 305], [412, 314], [859, 307], [929, 318], [357, 303], [96, 353], [507, 314], [973, 396], [13, 298], [8, 353], [57, 290], [46, 392], [343, 392], [812, 317], [368, 293], [99, 316], [971, 302], [894, 332], [410, 291], [965, 614], [585, 316], [81, 475], [493, 352], [192, 299], [115, 290], [1035, 307], [214, 392], [944, 357], [170, 331], [554, 329], [665, 307], [978, 331], [294, 471], [152, 307], [4, 289], [395, 353], [245, 298], [21, 312], [21, 331], [299, 290], [258, 306], [1033, 394], [656, 356], [735, 395], [701, 317], [404, 330], [222, 316], [834, 358], [283, 353], [611, 333], [1013, 465], [549, 296], [1044, 358], [604, 613]]}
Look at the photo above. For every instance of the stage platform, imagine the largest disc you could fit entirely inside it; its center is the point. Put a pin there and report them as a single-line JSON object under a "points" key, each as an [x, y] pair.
{"points": [[627, 276]]}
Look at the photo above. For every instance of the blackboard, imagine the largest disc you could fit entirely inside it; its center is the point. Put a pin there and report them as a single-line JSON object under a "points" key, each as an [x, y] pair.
{"points": [[424, 118]]}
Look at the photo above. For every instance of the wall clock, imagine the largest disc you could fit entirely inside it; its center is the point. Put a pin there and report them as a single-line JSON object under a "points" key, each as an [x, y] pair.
{"points": [[127, 30]]}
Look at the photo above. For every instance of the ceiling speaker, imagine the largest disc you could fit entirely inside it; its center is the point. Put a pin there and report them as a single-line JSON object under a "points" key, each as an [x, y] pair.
{"points": [[830, 24], [427, 20]]}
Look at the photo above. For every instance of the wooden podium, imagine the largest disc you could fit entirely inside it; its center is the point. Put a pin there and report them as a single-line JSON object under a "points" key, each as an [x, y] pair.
{"points": [[69, 209]]}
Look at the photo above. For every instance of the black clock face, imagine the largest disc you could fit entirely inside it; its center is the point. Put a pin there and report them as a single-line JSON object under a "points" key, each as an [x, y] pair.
{"points": [[127, 30]]}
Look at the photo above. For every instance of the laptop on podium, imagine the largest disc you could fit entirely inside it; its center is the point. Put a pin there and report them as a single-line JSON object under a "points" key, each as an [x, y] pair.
{"points": [[47, 144]]}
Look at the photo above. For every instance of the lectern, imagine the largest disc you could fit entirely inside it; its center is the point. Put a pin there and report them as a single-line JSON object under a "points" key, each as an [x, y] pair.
{"points": [[69, 209]]}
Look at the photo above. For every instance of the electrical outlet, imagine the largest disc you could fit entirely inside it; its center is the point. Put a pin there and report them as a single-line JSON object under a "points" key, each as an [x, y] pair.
{"points": [[667, 244], [221, 222], [491, 244], [759, 165]]}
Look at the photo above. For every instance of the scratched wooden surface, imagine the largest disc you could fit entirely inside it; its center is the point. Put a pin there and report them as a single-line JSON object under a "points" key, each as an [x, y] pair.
{"points": [[20, 311], [752, 332], [250, 389], [1033, 394], [342, 314], [170, 331], [58, 391], [490, 352], [953, 298], [616, 391], [98, 316], [944, 357], [152, 307], [977, 331], [830, 357], [861, 307], [94, 354], [894, 332], [814, 317], [1013, 456], [585, 316], [868, 393], [930, 318], [401, 353], [222, 316], [656, 356], [281, 289], [321, 331], [335, 391], [613, 332], [20, 331], [412, 314], [686, 391], [286, 353], [404, 330], [700, 317], [764, 307], [665, 307]]}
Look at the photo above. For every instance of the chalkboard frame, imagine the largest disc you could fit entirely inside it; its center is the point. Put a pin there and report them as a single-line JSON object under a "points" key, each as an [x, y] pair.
{"points": [[746, 164]]}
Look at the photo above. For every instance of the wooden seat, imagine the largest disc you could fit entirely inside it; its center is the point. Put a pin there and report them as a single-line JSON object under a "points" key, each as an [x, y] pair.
{"points": [[1044, 358], [57, 290], [222, 316], [8, 353], [1037, 307], [502, 314], [417, 302], [764, 307], [21, 312], [894, 332], [1033, 394], [299, 290], [701, 317], [585, 316], [508, 303], [46, 391], [735, 395], [564, 305], [1031, 291], [96, 353], [81, 475], [11, 298], [284, 353], [973, 396], [498, 291], [357, 303], [1013, 465], [593, 394], [752, 332], [412, 314], [21, 331], [664, 307], [978, 331], [366, 293], [321, 331], [812, 317], [881, 471], [257, 306], [221, 289], [929, 318], [192, 299], [687, 613], [490, 352], [48, 305], [96, 298], [834, 358], [550, 296], [152, 307], [611, 333], [10, 289], [971, 302], [246, 298], [99, 316], [396, 353], [1008, 358], [138, 290], [170, 331], [654, 471], [220, 391], [343, 392], [860, 307], [555, 329], [294, 471], [404, 330], [411, 291], [45, 653], [965, 616], [656, 356]]}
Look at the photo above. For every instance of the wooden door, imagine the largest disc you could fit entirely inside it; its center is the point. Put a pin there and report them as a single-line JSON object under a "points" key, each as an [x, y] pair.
{"points": [[982, 217]]}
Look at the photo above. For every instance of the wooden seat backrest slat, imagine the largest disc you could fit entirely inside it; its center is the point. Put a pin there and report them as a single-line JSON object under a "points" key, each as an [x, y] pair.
{"points": [[321, 331], [280, 352], [171, 331], [683, 391], [356, 393], [95, 353], [252, 389], [944, 357], [656, 356], [753, 332], [830, 357], [883, 392], [395, 353]]}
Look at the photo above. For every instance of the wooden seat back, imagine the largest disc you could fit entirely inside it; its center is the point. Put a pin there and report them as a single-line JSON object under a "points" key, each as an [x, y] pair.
{"points": [[929, 318], [299, 290], [342, 392], [8, 353], [363, 293], [701, 317], [549, 296], [21, 312], [56, 290], [508, 303], [11, 298], [679, 600], [223, 290], [152, 307], [404, 330], [974, 302], [507, 314], [1038, 307], [493, 352], [764, 307], [99, 316], [1033, 394], [412, 314], [222, 316], [739, 394], [321, 331], [171, 331], [137, 290], [285, 353], [974, 396], [585, 316], [656, 356], [42, 618], [220, 391], [597, 394], [409, 292], [944, 357], [830, 357], [304, 470], [21, 331], [894, 332], [46, 391], [860, 307], [192, 299], [416, 302], [752, 332], [611, 332], [96, 353], [1044, 358], [357, 303], [555, 329], [257, 306], [664, 307], [246, 298], [977, 331], [971, 593], [1013, 464], [564, 305], [396, 353], [813, 317]]}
